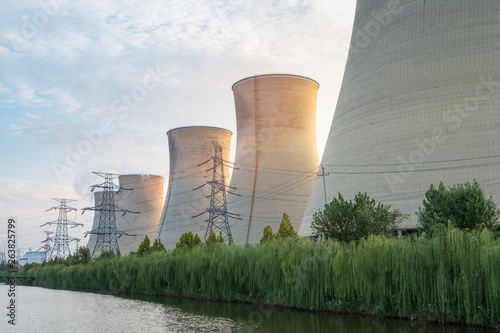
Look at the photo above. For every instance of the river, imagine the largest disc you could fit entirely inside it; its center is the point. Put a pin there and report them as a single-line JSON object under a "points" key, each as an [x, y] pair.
{"points": [[48, 310]]}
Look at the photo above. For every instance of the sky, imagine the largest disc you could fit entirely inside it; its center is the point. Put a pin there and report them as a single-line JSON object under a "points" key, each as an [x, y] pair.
{"points": [[95, 85]]}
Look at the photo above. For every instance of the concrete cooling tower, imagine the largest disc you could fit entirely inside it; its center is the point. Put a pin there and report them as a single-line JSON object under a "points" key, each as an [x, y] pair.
{"points": [[189, 147], [97, 202], [142, 194], [419, 104], [276, 152]]}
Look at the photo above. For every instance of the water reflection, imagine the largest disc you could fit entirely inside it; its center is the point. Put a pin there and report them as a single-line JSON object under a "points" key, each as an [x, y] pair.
{"points": [[50, 310], [261, 318]]}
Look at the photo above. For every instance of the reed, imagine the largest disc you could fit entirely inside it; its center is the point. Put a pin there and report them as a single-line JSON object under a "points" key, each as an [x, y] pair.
{"points": [[452, 277]]}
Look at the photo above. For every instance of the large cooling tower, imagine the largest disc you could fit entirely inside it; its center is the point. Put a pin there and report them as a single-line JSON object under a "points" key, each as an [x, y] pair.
{"points": [[190, 147], [142, 195], [276, 152], [97, 214], [419, 104]]}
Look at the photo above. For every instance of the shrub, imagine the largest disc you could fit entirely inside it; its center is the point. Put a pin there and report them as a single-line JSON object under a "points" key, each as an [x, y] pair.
{"points": [[463, 206], [187, 240], [348, 221], [144, 246], [212, 239], [286, 228], [267, 235]]}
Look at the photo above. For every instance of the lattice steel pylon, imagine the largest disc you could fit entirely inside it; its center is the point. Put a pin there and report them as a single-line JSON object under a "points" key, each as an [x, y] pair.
{"points": [[3, 256], [106, 232], [61, 239], [47, 247], [218, 219]]}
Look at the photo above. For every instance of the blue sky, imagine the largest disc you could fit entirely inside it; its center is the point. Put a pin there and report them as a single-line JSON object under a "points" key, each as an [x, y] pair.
{"points": [[94, 86]]}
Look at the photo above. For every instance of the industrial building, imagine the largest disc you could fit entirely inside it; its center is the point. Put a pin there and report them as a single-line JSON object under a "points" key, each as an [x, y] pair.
{"points": [[276, 152], [142, 195], [188, 193], [419, 104], [32, 257]]}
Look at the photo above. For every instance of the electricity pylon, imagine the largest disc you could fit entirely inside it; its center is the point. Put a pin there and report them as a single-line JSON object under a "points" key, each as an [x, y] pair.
{"points": [[62, 239], [107, 234], [47, 247], [218, 219]]}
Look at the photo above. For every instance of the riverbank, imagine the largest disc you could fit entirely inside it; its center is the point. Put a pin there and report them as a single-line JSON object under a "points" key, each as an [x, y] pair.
{"points": [[454, 277]]}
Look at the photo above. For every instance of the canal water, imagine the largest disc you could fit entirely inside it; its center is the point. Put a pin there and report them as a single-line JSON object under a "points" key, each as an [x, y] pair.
{"points": [[49, 310]]}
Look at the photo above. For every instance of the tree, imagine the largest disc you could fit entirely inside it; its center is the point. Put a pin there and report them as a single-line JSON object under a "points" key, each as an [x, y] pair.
{"points": [[188, 240], [144, 246], [267, 235], [107, 254], [157, 246], [463, 206], [212, 239], [82, 256], [286, 228], [348, 221]]}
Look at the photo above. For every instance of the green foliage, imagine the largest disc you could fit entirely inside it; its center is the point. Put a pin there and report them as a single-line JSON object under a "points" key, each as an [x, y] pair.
{"points": [[267, 235], [452, 277], [187, 241], [286, 228], [82, 256], [347, 221], [462, 206], [144, 246], [107, 254], [230, 238], [157, 247], [212, 239]]}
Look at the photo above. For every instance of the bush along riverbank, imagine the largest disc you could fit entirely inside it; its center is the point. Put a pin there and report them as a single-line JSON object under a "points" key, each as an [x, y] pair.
{"points": [[452, 277]]}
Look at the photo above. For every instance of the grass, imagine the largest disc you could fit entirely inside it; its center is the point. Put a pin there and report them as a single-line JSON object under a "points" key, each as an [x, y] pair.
{"points": [[452, 277]]}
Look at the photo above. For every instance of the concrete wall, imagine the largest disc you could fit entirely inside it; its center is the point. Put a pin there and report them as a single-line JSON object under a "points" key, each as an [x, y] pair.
{"points": [[419, 103], [189, 147], [276, 152], [142, 194], [93, 237]]}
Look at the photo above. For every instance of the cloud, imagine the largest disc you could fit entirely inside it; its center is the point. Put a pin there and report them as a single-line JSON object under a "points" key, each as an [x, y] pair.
{"points": [[61, 82]]}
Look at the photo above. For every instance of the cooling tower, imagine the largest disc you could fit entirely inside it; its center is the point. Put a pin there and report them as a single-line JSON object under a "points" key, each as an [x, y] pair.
{"points": [[276, 152], [190, 147], [142, 195], [419, 104], [97, 214]]}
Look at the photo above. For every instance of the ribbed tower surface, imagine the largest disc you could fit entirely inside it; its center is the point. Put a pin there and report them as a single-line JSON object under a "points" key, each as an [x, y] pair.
{"points": [[419, 104], [97, 202], [142, 194], [189, 147], [276, 152]]}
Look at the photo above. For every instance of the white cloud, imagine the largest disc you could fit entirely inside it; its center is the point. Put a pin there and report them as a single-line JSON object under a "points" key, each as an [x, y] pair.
{"points": [[63, 79]]}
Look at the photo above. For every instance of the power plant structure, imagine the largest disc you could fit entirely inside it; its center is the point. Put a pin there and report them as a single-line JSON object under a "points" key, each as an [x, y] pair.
{"points": [[276, 152], [189, 148], [142, 195], [97, 214], [419, 104]]}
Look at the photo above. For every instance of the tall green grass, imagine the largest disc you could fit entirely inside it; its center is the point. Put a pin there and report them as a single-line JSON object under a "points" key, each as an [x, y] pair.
{"points": [[453, 277]]}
